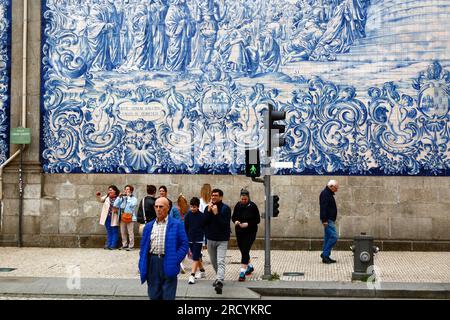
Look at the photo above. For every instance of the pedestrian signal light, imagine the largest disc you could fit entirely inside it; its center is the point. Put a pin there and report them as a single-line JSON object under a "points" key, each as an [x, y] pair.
{"points": [[252, 165]]}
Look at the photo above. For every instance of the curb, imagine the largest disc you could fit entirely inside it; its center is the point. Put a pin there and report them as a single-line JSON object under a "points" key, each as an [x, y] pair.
{"points": [[356, 290], [124, 289]]}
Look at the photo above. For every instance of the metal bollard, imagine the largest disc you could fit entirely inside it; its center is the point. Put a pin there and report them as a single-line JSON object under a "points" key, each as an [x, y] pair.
{"points": [[363, 253]]}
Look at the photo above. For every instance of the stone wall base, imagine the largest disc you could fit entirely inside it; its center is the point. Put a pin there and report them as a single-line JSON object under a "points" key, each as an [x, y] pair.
{"points": [[97, 241]]}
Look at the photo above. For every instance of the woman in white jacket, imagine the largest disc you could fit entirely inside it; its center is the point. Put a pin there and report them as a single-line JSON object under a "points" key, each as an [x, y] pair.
{"points": [[109, 217]]}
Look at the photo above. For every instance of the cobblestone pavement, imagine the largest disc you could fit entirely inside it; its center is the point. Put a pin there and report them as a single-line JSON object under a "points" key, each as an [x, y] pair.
{"points": [[98, 263]]}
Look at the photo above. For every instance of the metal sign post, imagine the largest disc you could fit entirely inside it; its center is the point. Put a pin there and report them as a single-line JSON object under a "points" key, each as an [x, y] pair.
{"points": [[20, 136], [20, 196]]}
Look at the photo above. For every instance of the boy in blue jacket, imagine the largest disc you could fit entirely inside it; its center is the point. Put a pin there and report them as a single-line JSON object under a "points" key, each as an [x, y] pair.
{"points": [[194, 223]]}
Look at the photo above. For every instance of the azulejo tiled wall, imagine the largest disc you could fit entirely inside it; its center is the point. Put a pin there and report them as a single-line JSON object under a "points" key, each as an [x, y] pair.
{"points": [[5, 74], [180, 86]]}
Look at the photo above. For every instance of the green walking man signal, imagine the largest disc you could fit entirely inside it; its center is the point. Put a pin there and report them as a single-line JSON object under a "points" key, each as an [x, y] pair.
{"points": [[252, 165]]}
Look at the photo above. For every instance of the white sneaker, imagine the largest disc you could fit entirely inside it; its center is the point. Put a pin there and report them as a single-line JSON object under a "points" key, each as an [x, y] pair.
{"points": [[200, 275], [183, 271], [191, 279]]}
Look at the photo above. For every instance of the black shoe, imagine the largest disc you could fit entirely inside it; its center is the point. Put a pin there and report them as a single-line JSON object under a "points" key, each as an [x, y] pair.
{"points": [[332, 260], [218, 287], [326, 260], [215, 283], [321, 255], [123, 248]]}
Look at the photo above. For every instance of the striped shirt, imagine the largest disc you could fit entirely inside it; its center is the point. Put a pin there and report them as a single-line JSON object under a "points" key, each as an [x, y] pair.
{"points": [[158, 236]]}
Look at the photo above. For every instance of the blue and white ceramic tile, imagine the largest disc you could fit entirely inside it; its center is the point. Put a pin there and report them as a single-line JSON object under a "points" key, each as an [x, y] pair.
{"points": [[5, 72], [181, 86]]}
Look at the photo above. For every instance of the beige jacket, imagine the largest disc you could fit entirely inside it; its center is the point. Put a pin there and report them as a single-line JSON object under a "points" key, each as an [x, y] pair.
{"points": [[104, 213]]}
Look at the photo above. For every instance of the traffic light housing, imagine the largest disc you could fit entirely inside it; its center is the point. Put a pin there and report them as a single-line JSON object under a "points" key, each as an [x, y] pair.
{"points": [[274, 131], [275, 206], [252, 164]]}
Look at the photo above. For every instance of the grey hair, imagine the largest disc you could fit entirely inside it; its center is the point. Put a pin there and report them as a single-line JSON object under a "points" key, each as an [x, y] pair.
{"points": [[332, 183]]}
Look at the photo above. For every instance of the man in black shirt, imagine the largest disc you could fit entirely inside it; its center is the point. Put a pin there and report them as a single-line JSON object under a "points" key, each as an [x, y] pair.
{"points": [[218, 230], [328, 213], [146, 211]]}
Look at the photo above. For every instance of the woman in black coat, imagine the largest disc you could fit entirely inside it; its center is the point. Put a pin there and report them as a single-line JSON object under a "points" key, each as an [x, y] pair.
{"points": [[245, 218]]}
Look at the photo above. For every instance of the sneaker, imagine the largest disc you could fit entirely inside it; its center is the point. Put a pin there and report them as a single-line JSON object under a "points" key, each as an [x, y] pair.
{"points": [[215, 283], [129, 249], [249, 270], [200, 275], [123, 247], [191, 279], [241, 277], [183, 271], [218, 287]]}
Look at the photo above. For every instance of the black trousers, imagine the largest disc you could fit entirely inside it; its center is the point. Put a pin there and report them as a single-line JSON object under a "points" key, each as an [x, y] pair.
{"points": [[245, 242]]}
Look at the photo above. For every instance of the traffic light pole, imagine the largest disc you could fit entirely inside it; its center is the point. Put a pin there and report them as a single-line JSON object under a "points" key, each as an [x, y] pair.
{"points": [[267, 272], [267, 215], [267, 173], [270, 117]]}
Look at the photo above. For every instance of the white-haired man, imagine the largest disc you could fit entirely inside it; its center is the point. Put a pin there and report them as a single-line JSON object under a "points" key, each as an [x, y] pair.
{"points": [[328, 213]]}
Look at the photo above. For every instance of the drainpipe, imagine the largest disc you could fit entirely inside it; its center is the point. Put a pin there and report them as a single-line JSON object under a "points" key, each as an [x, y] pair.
{"points": [[23, 121]]}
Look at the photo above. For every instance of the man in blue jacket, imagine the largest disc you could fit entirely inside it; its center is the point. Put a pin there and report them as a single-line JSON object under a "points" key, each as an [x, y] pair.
{"points": [[328, 213], [164, 245]]}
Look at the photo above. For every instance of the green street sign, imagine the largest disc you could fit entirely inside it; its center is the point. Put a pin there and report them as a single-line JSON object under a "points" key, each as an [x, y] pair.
{"points": [[20, 136]]}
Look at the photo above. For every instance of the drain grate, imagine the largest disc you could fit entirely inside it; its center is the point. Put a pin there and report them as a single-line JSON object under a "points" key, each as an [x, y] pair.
{"points": [[293, 274], [7, 269]]}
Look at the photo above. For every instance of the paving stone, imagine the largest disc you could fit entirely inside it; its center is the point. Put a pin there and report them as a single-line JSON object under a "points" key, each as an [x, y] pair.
{"points": [[405, 267]]}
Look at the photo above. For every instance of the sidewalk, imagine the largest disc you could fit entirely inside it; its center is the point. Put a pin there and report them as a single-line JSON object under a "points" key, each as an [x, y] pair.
{"points": [[114, 274]]}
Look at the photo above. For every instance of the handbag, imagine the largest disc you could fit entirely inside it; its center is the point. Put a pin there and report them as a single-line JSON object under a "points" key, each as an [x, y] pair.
{"points": [[126, 217]]}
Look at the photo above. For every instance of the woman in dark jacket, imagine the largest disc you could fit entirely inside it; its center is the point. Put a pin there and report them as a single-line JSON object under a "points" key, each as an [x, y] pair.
{"points": [[245, 218]]}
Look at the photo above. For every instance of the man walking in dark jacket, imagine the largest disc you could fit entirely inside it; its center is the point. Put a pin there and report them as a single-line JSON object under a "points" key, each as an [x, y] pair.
{"points": [[328, 213], [146, 210], [217, 222]]}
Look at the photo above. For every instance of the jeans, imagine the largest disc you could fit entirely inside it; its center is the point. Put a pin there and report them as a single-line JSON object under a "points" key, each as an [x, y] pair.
{"points": [[160, 287], [217, 251], [330, 238], [112, 234]]}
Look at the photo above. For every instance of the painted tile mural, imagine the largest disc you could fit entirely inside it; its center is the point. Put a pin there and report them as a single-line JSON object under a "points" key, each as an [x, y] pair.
{"points": [[181, 86], [5, 72]]}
